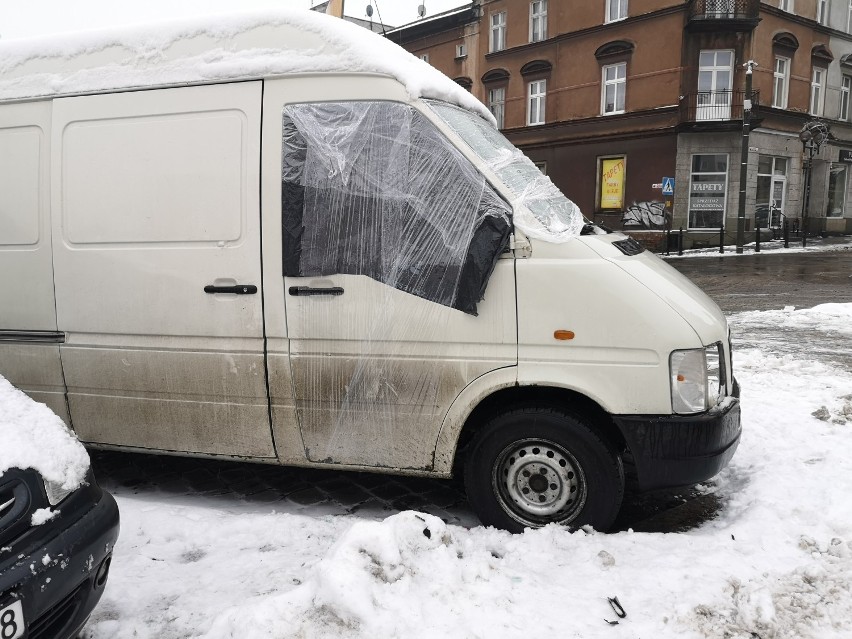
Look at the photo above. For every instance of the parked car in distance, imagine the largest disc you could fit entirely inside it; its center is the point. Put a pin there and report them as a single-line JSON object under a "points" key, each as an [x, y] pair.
{"points": [[57, 527]]}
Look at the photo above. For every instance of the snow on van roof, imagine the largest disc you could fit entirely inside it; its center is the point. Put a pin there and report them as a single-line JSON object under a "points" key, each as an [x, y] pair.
{"points": [[233, 46], [33, 436]]}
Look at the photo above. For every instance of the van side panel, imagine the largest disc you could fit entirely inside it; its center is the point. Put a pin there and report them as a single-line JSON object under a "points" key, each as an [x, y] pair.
{"points": [[29, 340], [156, 196]]}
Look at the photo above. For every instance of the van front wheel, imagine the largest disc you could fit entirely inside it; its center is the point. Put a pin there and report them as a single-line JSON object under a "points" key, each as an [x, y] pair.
{"points": [[533, 466]]}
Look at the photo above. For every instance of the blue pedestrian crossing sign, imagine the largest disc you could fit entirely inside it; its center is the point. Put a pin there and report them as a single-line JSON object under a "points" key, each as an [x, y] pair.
{"points": [[668, 186]]}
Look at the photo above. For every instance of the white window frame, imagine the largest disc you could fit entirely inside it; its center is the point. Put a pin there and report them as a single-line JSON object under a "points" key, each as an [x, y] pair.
{"points": [[497, 105], [615, 10], [538, 20], [849, 18], [786, 5], [617, 84], [816, 105], [845, 90], [536, 102], [781, 83], [497, 32], [822, 11], [461, 50], [424, 57]]}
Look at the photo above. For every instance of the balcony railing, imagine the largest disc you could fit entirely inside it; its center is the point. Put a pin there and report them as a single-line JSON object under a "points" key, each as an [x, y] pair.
{"points": [[724, 13], [716, 106]]}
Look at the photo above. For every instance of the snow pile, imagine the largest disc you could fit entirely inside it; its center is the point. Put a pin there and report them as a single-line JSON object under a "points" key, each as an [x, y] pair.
{"points": [[824, 318], [32, 436], [222, 47], [775, 563]]}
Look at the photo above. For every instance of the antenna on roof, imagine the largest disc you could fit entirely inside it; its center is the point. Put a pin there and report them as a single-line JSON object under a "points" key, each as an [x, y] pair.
{"points": [[381, 22]]}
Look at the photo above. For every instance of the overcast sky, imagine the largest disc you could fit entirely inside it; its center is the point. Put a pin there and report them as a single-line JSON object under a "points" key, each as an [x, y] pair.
{"points": [[25, 18]]}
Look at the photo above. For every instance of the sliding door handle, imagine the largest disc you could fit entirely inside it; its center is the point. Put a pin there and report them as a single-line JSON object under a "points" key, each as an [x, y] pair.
{"points": [[308, 290], [239, 289]]}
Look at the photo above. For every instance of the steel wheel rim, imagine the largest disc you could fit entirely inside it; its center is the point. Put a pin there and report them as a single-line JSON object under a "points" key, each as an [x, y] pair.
{"points": [[538, 482]]}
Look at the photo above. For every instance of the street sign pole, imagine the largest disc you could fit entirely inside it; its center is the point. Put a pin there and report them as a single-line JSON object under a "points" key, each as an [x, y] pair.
{"points": [[749, 66]]}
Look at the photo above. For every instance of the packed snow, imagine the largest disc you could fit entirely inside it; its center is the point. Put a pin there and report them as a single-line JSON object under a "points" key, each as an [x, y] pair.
{"points": [[222, 47], [776, 561], [34, 437]]}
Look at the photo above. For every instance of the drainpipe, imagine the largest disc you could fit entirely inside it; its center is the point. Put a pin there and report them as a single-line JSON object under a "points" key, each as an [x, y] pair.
{"points": [[749, 67]]}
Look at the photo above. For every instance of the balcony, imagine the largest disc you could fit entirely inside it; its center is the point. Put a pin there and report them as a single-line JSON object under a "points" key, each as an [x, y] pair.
{"points": [[722, 15], [717, 108]]}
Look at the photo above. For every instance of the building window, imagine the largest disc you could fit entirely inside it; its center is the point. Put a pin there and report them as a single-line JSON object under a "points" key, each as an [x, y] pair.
{"points": [[616, 10], [822, 11], [424, 57], [715, 84], [771, 191], [614, 85], [536, 95], [497, 36], [849, 17], [541, 166], [781, 83], [708, 188], [786, 5], [836, 190], [817, 91], [845, 88], [497, 104], [538, 20], [461, 51]]}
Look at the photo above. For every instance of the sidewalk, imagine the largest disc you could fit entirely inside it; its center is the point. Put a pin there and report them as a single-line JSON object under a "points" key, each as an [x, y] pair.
{"points": [[815, 245]]}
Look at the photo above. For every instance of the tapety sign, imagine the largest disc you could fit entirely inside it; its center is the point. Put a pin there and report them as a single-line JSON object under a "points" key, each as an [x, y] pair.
{"points": [[612, 183]]}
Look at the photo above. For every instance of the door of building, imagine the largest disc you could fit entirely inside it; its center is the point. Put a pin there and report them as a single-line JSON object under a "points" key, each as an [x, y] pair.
{"points": [[715, 84]]}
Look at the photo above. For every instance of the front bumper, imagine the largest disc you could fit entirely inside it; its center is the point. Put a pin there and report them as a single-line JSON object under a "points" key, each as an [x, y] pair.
{"points": [[59, 581], [675, 450]]}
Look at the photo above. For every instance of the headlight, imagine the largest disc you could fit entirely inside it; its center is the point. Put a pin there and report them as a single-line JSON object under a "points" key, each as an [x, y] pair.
{"points": [[55, 492], [696, 378]]}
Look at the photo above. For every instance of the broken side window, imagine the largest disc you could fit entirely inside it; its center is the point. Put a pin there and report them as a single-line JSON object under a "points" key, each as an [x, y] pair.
{"points": [[373, 188]]}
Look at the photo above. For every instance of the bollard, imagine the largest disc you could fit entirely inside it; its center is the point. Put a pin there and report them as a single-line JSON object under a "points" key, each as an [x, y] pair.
{"points": [[721, 239], [786, 234], [668, 241], [757, 237], [680, 242]]}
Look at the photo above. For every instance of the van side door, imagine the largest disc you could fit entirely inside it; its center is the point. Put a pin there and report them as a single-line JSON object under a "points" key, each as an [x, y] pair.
{"points": [[156, 238], [29, 339]]}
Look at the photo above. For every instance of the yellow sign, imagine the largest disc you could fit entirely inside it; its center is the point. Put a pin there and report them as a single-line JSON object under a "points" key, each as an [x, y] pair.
{"points": [[612, 183]]}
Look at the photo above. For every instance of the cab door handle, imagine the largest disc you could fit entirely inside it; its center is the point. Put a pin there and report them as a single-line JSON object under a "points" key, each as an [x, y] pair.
{"points": [[239, 289], [297, 291]]}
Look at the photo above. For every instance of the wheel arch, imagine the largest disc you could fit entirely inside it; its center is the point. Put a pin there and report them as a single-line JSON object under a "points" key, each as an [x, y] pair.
{"points": [[460, 427]]}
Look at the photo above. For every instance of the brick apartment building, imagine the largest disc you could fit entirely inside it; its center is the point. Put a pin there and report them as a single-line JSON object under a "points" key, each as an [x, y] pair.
{"points": [[611, 97]]}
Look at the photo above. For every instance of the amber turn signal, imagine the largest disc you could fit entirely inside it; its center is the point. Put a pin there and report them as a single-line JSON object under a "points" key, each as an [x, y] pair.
{"points": [[560, 334]]}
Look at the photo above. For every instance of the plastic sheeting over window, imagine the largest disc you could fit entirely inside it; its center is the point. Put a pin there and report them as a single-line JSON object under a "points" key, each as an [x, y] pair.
{"points": [[543, 212], [373, 188]]}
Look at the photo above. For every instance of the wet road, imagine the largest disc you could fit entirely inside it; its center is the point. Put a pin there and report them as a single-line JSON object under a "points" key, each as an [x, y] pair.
{"points": [[772, 280], [737, 283]]}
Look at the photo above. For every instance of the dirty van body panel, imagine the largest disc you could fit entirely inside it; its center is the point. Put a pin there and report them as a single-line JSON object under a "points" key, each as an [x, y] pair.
{"points": [[29, 339], [374, 369], [156, 238], [375, 373]]}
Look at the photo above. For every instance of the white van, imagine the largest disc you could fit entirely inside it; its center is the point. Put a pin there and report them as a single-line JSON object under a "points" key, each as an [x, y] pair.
{"points": [[281, 238]]}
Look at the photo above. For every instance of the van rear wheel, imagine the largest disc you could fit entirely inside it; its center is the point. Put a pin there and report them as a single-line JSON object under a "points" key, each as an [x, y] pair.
{"points": [[533, 466]]}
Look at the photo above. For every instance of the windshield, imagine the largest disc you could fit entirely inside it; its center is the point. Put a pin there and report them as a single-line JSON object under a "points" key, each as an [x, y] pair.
{"points": [[543, 211]]}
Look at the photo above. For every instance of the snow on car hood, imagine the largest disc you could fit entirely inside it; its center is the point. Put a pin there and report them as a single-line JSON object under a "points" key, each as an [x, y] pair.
{"points": [[33, 436]]}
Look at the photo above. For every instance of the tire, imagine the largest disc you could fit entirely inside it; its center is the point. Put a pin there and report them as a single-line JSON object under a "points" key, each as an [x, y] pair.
{"points": [[533, 466]]}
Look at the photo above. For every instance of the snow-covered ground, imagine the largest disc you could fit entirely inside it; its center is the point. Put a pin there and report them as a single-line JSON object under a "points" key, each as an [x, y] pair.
{"points": [[775, 563]]}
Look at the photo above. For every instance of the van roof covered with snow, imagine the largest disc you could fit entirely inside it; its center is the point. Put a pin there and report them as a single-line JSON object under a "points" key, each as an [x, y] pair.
{"points": [[228, 47]]}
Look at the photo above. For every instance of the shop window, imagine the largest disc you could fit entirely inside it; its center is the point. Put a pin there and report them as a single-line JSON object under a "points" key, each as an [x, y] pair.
{"points": [[836, 190], [708, 189], [771, 191]]}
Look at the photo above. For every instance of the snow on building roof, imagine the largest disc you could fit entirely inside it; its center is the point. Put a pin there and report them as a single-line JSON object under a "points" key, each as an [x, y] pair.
{"points": [[33, 436], [214, 48]]}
